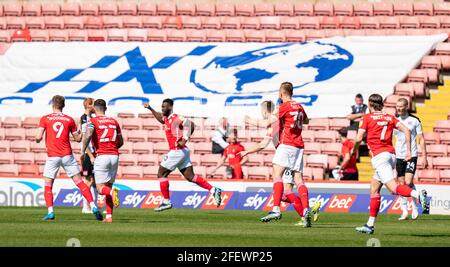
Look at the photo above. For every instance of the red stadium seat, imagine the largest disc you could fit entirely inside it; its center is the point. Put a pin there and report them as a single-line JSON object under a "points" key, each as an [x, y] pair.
{"points": [[270, 22], [11, 122], [146, 9], [14, 134], [245, 9], [258, 173], [172, 22], [338, 123], [323, 9], [409, 22], [312, 148], [307, 173], [442, 49], [5, 145], [309, 23], [389, 22], [420, 163], [166, 9], [76, 35], [191, 22], [151, 124], [51, 9], [137, 35], [152, 22], [308, 136], [24, 158], [303, 9], [89, 9], [15, 23], [230, 23], [431, 62], [403, 8], [430, 22], [107, 8], [267, 160], [160, 148], [433, 75], [70, 8], [35, 23], [128, 160], [91, 22], [314, 34], [333, 161], [255, 36], [441, 163], [255, 160], [326, 136], [428, 175], [211, 22], [132, 124], [9, 170], [438, 150], [317, 161], [215, 35], [264, 9], [175, 35], [318, 173], [28, 170], [143, 148], [150, 171], [432, 138], [117, 35], [127, 8], [343, 9], [31, 9], [423, 8], [444, 138], [20, 146], [329, 22], [318, 124], [406, 89], [205, 9], [363, 9], [289, 23], [187, 9], [369, 22], [132, 172], [418, 75], [40, 158], [350, 23], [95, 35], [110, 22], [391, 100], [383, 9], [202, 148], [250, 23], [39, 35], [38, 147], [156, 35], [445, 22], [147, 160], [441, 9], [331, 149], [156, 136], [127, 148], [444, 176], [225, 9], [71, 22], [441, 126], [283, 9], [6, 157], [137, 136], [12, 9], [209, 159], [195, 35], [274, 35]]}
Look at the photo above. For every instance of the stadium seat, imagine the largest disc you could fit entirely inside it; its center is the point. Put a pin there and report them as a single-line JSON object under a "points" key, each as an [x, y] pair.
{"points": [[14, 134], [312, 148], [331, 149], [250, 23], [258, 173], [255, 160], [191, 22], [314, 34], [143, 148], [444, 138], [132, 123], [416, 32], [152, 22], [54, 22], [205, 9], [137, 136], [5, 145], [230, 23], [325, 136], [441, 9], [12, 9], [354, 32], [28, 170], [127, 148], [289, 22], [132, 172], [24, 158], [175, 35], [307, 173], [91, 22], [350, 23], [430, 22], [11, 122], [317, 124], [150, 124], [225, 9], [9, 170], [274, 35], [172, 22], [403, 8], [50, 9], [338, 123], [150, 171], [58, 35], [185, 8], [309, 23], [20, 146], [95, 35], [323, 9], [418, 75], [428, 175], [423, 8], [127, 8], [445, 22], [303, 9], [146, 9], [329, 22], [441, 126], [431, 62], [255, 36], [202, 148], [444, 176], [334, 32], [343, 9], [332, 161], [283, 9], [317, 161], [391, 100], [160, 148], [389, 22], [107, 9], [128, 160], [35, 23], [117, 35], [369, 22], [383, 9], [209, 159], [70, 9], [441, 163], [363, 9], [437, 150], [89, 9], [211, 22], [264, 9], [294, 36], [39, 35], [196, 35], [406, 89], [6, 157], [137, 35], [432, 138], [244, 9], [166, 9], [156, 35], [40, 158], [15, 23], [442, 49], [409, 22], [2, 133], [38, 147], [110, 22], [76, 35], [433, 75], [308, 136], [156, 136], [270, 22]]}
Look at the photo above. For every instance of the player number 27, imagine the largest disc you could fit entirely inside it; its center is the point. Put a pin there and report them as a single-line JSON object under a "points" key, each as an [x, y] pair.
{"points": [[103, 138]]}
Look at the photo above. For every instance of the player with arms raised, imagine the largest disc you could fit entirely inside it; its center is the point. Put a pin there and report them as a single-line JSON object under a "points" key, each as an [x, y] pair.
{"points": [[107, 139], [178, 131], [379, 127], [57, 128]]}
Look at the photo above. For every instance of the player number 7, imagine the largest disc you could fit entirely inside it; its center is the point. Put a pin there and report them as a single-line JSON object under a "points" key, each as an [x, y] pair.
{"points": [[383, 132], [298, 119]]}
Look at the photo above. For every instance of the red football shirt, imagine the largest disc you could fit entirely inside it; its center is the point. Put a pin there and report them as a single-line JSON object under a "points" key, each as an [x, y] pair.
{"points": [[104, 138], [346, 148], [57, 127], [173, 126], [379, 127], [291, 115], [232, 151]]}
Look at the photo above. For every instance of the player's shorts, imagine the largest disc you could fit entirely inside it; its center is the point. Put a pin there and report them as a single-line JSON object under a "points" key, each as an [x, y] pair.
{"points": [[68, 162], [384, 164], [288, 177], [180, 159], [289, 157], [105, 169], [404, 167], [86, 166]]}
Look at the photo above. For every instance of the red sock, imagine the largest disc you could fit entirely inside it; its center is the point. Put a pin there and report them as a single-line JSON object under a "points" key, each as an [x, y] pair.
{"points": [[284, 198], [303, 193], [85, 190], [278, 188], [109, 204], [296, 203], [164, 186], [403, 190], [201, 182], [374, 205], [48, 195], [106, 191]]}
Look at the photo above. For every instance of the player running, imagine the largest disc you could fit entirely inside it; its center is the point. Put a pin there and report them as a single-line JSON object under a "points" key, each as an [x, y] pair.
{"points": [[178, 131], [272, 135], [57, 127], [107, 139], [407, 169], [379, 127]]}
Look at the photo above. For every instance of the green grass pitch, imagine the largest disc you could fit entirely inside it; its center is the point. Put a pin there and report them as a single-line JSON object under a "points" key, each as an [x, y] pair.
{"points": [[197, 228]]}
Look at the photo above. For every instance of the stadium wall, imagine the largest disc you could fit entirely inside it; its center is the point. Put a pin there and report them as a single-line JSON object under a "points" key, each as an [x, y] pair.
{"points": [[241, 195]]}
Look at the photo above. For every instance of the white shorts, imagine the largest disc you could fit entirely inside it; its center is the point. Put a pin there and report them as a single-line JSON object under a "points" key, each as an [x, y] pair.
{"points": [[384, 165], [288, 177], [180, 159], [289, 157], [105, 168], [68, 162]]}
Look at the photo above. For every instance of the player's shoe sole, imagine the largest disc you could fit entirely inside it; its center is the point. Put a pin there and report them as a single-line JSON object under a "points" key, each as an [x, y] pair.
{"points": [[217, 196], [163, 207], [98, 215], [271, 216], [307, 219], [315, 211], [424, 202], [365, 229], [49, 217], [115, 197]]}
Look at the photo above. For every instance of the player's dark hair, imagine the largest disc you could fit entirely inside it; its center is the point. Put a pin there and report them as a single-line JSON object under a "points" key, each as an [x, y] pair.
{"points": [[59, 101], [168, 101], [376, 101], [359, 96], [268, 105], [343, 132], [287, 88], [100, 104]]}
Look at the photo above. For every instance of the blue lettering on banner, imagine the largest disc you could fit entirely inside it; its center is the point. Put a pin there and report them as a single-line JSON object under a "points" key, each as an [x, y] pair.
{"points": [[27, 100], [143, 100], [200, 100], [231, 99]]}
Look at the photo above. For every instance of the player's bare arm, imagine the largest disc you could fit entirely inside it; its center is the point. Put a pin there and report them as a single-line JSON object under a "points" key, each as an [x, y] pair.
{"points": [[244, 160], [262, 123], [188, 130], [345, 161], [424, 151], [258, 147], [39, 134], [358, 140], [219, 164], [401, 127], [77, 136], [155, 113], [86, 139], [119, 140]]}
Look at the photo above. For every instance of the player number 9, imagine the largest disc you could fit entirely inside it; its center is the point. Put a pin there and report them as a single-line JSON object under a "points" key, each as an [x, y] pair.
{"points": [[58, 127]]}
